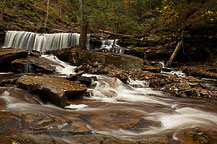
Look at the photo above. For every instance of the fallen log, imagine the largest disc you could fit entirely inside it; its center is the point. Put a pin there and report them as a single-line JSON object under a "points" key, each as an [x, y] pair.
{"points": [[122, 35], [174, 54]]}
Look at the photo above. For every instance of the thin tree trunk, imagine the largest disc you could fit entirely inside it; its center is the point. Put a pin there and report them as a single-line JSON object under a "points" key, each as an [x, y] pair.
{"points": [[113, 45], [174, 54], [3, 9], [45, 24], [127, 4], [83, 27], [60, 9]]}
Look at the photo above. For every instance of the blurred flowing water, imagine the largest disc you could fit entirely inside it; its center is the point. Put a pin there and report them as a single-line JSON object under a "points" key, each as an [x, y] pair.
{"points": [[131, 111]]}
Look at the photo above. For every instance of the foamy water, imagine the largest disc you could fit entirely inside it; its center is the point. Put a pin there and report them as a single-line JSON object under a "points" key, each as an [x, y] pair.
{"points": [[113, 103], [62, 67]]}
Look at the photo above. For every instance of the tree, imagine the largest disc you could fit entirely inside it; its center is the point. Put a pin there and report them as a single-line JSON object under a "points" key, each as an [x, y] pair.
{"points": [[83, 26], [3, 9], [45, 24]]}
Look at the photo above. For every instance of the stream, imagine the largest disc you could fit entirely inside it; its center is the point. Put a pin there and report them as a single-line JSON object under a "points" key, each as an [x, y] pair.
{"points": [[114, 113]]}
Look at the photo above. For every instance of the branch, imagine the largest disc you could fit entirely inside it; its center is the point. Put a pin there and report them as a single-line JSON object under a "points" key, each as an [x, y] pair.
{"points": [[121, 35]]}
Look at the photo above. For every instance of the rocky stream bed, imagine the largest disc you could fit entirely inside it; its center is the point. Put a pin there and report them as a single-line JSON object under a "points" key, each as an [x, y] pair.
{"points": [[104, 99]]}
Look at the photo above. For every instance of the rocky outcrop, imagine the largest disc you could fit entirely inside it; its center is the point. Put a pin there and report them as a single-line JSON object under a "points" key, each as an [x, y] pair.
{"points": [[201, 71], [55, 90], [124, 62], [34, 64], [180, 86], [8, 55], [8, 79]]}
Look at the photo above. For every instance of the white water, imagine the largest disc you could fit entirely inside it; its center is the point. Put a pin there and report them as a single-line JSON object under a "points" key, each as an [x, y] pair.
{"points": [[76, 106], [172, 71], [108, 44], [56, 41], [113, 96], [40, 42], [61, 67]]}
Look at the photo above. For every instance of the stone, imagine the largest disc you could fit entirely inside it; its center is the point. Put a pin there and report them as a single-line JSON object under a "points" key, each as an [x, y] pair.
{"points": [[73, 77], [123, 62], [152, 69], [87, 81], [7, 55], [8, 79], [16, 127], [34, 64], [55, 90]]}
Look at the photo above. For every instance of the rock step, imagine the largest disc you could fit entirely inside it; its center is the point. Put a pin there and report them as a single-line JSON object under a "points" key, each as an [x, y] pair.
{"points": [[55, 90]]}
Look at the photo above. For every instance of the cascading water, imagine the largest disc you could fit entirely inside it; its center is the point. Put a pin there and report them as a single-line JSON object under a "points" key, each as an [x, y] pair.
{"points": [[40, 42], [127, 112], [131, 111], [112, 46], [46, 42], [171, 71]]}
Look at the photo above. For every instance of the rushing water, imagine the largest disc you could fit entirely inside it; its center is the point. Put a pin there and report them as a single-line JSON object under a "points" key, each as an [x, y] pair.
{"points": [[57, 41], [132, 112]]}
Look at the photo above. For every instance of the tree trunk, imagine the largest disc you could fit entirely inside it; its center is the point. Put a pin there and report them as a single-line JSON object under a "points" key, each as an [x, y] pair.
{"points": [[3, 9], [45, 24], [60, 9], [113, 45], [174, 54], [127, 4], [83, 27]]}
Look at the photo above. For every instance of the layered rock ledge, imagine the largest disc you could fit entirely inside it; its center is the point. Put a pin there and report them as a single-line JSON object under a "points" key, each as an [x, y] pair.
{"points": [[55, 90]]}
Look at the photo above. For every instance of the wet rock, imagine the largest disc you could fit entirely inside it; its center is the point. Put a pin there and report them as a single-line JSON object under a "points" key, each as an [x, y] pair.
{"points": [[124, 62], [7, 55], [18, 126], [34, 64], [201, 71], [8, 79], [99, 140], [55, 90], [87, 81], [152, 69], [73, 77], [197, 136]]}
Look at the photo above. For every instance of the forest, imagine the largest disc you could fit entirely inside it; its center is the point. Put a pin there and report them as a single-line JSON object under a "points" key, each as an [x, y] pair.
{"points": [[108, 71]]}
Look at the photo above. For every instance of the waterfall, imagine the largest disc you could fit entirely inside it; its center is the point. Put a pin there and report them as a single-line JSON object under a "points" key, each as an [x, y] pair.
{"points": [[40, 42], [108, 44], [46, 42]]}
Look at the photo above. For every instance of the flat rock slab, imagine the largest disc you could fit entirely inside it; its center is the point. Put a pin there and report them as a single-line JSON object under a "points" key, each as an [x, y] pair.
{"points": [[55, 90], [12, 54], [34, 64]]}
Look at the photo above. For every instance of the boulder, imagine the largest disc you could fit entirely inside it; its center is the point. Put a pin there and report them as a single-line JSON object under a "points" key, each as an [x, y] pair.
{"points": [[123, 62], [7, 55], [34, 64], [55, 90], [8, 79]]}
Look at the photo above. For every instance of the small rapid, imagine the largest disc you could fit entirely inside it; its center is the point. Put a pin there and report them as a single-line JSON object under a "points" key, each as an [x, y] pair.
{"points": [[132, 111]]}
